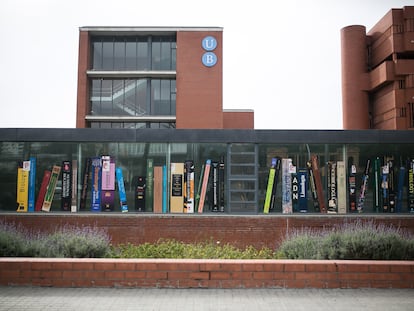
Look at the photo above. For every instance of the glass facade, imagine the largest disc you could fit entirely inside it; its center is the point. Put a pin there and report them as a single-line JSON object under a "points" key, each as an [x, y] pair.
{"points": [[246, 158], [123, 95]]}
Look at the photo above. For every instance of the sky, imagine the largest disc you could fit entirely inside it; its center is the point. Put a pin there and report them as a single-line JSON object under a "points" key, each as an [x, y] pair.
{"points": [[280, 58]]}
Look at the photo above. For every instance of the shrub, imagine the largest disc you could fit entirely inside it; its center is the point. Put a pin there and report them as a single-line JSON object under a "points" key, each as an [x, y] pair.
{"points": [[176, 249], [67, 241], [356, 240]]}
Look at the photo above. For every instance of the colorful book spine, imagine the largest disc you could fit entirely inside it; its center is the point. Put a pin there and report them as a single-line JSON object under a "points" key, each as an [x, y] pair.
{"points": [[287, 186], [400, 189], [312, 183], [32, 185], [96, 170], [200, 182], [108, 184], [221, 184], [23, 171], [42, 190], [177, 182], [410, 191], [270, 184], [385, 189], [204, 186], [149, 186], [295, 192], [364, 187], [85, 184], [352, 186], [74, 200], [157, 189], [189, 186], [332, 188], [376, 186], [140, 194], [215, 189], [391, 183], [303, 189], [121, 189], [318, 183], [341, 189], [164, 189], [54, 177], [66, 195]]}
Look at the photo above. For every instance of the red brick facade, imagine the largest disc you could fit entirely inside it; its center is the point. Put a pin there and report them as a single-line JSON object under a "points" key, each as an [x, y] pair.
{"points": [[193, 273], [378, 73]]}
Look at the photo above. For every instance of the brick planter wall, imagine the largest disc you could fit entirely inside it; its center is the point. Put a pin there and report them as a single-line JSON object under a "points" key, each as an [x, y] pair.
{"points": [[240, 231], [193, 273]]}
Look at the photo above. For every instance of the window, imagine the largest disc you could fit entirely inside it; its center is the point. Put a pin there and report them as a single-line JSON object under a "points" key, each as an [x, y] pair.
{"points": [[134, 53], [129, 97]]}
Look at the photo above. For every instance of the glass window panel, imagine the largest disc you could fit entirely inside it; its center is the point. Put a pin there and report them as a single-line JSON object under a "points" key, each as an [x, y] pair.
{"points": [[96, 97], [165, 56], [156, 55], [142, 55], [131, 54], [130, 96], [97, 55], [119, 55], [173, 57], [106, 98], [118, 98], [108, 55], [141, 97]]}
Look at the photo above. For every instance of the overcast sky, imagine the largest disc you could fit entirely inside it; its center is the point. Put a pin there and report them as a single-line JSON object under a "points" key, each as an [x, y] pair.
{"points": [[281, 58]]}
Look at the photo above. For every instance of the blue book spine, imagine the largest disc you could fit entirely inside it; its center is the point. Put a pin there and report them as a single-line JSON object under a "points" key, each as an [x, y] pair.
{"points": [[302, 191], [96, 184], [164, 189], [121, 190], [32, 185], [400, 190]]}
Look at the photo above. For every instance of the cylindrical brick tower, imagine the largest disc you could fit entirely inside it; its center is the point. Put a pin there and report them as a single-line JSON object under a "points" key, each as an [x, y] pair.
{"points": [[355, 102]]}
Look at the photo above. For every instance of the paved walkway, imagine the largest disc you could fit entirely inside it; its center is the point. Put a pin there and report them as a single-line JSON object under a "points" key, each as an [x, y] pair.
{"points": [[43, 298]]}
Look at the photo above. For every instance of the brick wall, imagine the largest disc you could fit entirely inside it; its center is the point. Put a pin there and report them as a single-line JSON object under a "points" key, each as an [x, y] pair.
{"points": [[193, 273], [241, 231]]}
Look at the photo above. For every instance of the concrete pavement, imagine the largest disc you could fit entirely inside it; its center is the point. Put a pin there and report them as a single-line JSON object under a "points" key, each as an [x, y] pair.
{"points": [[57, 299]]}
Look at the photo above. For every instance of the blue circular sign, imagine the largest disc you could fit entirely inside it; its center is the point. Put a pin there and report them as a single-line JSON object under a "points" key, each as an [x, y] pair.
{"points": [[209, 59], [209, 43]]}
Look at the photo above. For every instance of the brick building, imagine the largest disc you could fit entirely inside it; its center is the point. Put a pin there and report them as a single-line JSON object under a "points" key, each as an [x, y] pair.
{"points": [[153, 77], [378, 73]]}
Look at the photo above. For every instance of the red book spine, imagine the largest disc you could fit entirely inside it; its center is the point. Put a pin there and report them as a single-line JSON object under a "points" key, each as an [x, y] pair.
{"points": [[42, 191]]}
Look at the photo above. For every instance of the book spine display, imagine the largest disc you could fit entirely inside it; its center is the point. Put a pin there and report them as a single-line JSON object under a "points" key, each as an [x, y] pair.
{"points": [[23, 171], [189, 186], [108, 183], [341, 183], [385, 189], [140, 194], [313, 187], [66, 195], [54, 177], [200, 182], [204, 186], [149, 186], [32, 185], [411, 185], [215, 190], [157, 189], [332, 188], [364, 188], [391, 184], [42, 190], [295, 192], [303, 189], [74, 200], [164, 189], [377, 193], [85, 184], [269, 190], [96, 168], [352, 186], [177, 195], [318, 183], [121, 189], [400, 189], [221, 184], [287, 186]]}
